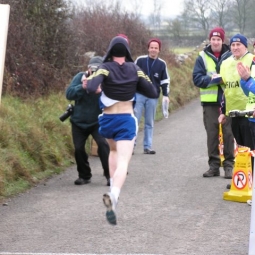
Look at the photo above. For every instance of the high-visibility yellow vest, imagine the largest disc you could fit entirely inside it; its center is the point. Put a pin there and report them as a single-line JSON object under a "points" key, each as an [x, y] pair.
{"points": [[208, 94], [235, 99]]}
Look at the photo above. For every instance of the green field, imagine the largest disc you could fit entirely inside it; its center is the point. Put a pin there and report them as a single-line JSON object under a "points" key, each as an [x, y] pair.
{"points": [[182, 50]]}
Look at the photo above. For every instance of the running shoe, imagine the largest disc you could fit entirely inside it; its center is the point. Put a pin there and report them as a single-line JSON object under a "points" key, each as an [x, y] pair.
{"points": [[110, 203]]}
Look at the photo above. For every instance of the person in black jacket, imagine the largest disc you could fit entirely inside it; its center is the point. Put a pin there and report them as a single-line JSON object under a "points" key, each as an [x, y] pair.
{"points": [[206, 69], [120, 79], [84, 121]]}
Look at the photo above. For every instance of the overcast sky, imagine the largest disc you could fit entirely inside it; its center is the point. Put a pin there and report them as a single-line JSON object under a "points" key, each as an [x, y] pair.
{"points": [[170, 8]]}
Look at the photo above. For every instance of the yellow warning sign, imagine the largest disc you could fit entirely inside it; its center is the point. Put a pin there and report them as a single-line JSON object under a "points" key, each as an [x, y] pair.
{"points": [[241, 185]]}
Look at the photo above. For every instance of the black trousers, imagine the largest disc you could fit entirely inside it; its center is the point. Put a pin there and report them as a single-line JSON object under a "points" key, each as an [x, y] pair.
{"points": [[252, 129], [243, 131], [210, 118], [80, 137]]}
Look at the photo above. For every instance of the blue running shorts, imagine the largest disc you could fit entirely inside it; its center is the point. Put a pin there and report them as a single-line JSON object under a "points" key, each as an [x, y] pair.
{"points": [[118, 127]]}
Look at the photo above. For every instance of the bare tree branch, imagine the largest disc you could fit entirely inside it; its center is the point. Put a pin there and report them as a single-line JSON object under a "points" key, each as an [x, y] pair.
{"points": [[198, 12]]}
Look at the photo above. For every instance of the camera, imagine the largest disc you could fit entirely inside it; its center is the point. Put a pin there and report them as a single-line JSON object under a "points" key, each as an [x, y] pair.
{"points": [[93, 69], [237, 113], [67, 113]]}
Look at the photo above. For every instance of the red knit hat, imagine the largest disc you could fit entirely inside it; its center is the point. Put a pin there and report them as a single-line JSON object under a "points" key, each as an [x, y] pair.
{"points": [[124, 36], [217, 31], [155, 40]]}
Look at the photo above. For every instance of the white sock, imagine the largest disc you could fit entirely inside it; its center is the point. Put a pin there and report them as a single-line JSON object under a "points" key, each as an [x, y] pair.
{"points": [[116, 192], [111, 181]]}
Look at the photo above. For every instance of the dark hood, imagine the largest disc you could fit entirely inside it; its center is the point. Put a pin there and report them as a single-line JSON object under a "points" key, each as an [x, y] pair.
{"points": [[115, 40]]}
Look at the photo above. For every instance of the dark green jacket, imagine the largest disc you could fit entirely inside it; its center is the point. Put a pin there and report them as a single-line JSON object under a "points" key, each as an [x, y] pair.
{"points": [[86, 108]]}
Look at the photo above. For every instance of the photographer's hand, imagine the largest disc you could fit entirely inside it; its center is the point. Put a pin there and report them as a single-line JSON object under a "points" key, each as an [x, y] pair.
{"points": [[84, 81]]}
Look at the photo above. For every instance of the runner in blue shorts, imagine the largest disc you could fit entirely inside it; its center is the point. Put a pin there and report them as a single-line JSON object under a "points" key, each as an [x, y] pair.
{"points": [[118, 126], [119, 79]]}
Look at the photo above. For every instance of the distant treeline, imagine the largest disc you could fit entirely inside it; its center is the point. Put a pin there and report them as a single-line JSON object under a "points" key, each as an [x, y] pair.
{"points": [[48, 41]]}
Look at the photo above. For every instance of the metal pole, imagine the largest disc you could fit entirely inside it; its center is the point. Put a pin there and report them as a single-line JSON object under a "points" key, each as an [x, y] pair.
{"points": [[4, 22]]}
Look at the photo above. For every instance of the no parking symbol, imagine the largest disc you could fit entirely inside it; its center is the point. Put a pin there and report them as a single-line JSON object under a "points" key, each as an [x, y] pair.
{"points": [[240, 180]]}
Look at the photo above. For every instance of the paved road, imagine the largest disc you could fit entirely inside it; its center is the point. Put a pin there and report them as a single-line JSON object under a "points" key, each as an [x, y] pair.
{"points": [[165, 207]]}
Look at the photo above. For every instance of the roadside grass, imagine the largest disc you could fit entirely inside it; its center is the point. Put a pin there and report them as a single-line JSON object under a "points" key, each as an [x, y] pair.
{"points": [[36, 145]]}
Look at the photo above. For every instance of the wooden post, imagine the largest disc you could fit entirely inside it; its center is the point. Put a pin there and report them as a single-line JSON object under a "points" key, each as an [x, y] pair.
{"points": [[4, 23]]}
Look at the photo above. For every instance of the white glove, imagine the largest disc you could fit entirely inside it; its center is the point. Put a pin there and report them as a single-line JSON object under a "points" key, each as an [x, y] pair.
{"points": [[165, 106], [165, 99]]}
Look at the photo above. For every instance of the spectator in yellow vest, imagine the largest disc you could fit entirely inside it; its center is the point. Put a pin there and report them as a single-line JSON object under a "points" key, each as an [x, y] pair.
{"points": [[234, 96], [207, 67]]}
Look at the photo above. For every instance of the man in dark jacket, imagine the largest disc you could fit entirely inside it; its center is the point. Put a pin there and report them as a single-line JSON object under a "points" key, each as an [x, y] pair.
{"points": [[84, 121], [206, 77], [157, 71]]}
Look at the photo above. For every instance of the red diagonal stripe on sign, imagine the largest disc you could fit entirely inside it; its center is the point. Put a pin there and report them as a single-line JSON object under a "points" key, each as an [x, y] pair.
{"points": [[240, 180]]}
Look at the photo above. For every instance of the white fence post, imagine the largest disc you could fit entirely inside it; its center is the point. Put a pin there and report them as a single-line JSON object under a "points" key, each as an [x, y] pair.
{"points": [[4, 23], [252, 227]]}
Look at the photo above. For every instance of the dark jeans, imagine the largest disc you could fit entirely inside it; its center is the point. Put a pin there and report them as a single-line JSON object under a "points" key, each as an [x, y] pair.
{"points": [[80, 137], [210, 118]]}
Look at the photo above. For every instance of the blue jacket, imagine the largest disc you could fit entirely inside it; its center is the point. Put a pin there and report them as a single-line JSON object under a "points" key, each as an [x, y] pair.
{"points": [[248, 86]]}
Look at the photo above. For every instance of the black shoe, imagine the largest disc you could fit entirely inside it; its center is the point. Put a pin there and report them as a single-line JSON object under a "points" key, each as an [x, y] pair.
{"points": [[108, 182], [149, 151], [81, 181], [212, 173], [228, 173]]}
